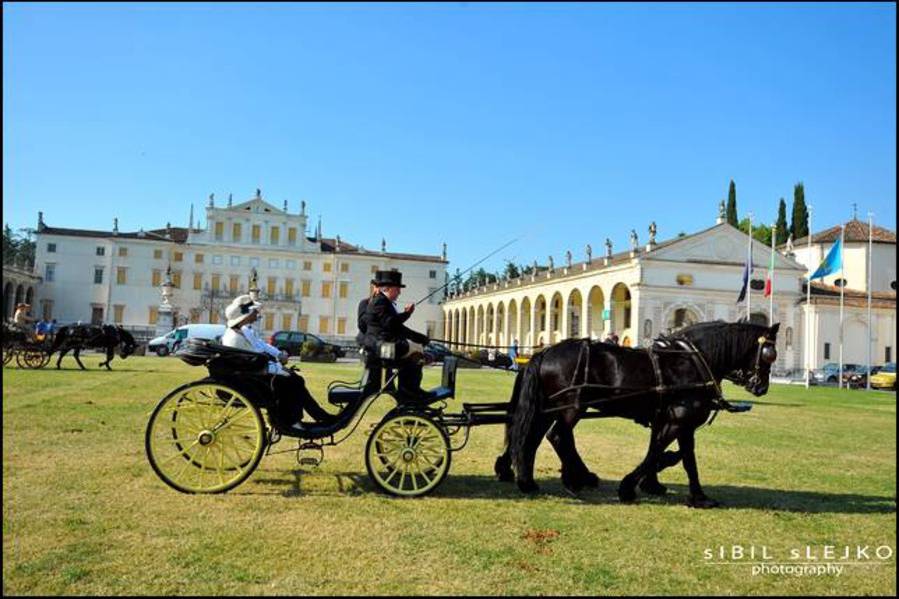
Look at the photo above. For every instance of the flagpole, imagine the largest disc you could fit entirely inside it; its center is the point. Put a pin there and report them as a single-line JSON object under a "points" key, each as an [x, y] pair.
{"points": [[808, 303], [870, 281], [842, 287], [749, 276], [771, 274]]}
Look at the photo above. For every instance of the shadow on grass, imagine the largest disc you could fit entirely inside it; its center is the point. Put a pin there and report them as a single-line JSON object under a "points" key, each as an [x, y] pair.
{"points": [[52, 368], [487, 487], [772, 403]]}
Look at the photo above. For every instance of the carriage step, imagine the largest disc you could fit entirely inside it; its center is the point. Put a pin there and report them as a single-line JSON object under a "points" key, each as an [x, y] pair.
{"points": [[310, 460]]}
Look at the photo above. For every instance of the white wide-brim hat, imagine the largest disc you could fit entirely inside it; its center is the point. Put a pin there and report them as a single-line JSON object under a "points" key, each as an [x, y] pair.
{"points": [[240, 308]]}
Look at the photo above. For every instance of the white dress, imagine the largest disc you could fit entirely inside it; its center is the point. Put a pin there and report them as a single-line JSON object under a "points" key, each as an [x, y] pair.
{"points": [[247, 339]]}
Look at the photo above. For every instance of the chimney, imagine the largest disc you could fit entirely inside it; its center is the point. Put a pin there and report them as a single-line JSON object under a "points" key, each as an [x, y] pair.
{"points": [[383, 245], [190, 223], [40, 222], [115, 226]]}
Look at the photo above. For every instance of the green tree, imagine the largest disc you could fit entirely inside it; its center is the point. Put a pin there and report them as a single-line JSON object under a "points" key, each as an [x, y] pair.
{"points": [[512, 271], [10, 245], [761, 233], [781, 223], [732, 204], [799, 226]]}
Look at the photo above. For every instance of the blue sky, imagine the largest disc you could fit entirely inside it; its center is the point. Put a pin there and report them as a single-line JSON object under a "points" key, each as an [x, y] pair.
{"points": [[471, 124]]}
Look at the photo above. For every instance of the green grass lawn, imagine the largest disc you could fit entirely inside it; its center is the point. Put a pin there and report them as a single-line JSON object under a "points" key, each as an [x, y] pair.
{"points": [[83, 513]]}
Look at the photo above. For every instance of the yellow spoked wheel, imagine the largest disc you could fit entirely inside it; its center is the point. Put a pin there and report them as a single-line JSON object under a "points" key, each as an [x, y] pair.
{"points": [[30, 358], [8, 354], [205, 438], [407, 455]]}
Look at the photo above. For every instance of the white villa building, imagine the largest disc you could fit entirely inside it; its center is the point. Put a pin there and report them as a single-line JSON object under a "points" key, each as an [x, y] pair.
{"points": [[652, 289], [311, 284]]}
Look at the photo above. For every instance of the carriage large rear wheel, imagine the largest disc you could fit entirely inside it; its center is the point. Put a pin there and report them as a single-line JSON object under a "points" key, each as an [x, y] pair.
{"points": [[205, 437], [31, 358], [8, 354], [407, 455]]}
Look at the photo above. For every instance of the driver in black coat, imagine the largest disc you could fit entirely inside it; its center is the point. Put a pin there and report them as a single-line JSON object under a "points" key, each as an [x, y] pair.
{"points": [[382, 322]]}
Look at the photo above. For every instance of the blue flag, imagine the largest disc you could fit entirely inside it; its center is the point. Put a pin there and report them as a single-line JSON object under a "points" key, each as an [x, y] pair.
{"points": [[746, 270], [831, 263]]}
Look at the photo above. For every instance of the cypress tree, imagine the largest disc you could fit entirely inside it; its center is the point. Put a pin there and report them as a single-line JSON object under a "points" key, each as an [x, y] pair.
{"points": [[799, 226], [732, 205], [781, 223]]}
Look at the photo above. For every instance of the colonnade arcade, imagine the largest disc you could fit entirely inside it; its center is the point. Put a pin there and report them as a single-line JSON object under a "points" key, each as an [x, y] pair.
{"points": [[542, 316]]}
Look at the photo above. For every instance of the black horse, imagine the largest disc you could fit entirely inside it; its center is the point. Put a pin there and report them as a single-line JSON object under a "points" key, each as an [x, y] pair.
{"points": [[672, 387], [88, 336]]}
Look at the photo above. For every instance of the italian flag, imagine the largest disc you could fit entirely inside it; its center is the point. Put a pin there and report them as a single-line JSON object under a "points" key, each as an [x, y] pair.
{"points": [[768, 284]]}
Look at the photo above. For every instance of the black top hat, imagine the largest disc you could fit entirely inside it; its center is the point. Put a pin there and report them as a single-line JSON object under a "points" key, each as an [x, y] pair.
{"points": [[384, 278]]}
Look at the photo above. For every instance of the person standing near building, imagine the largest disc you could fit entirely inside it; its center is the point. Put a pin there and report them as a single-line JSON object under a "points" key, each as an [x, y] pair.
{"points": [[513, 353]]}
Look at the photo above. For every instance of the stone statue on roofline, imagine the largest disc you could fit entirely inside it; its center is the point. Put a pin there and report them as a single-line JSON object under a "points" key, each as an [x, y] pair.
{"points": [[634, 240], [652, 232], [568, 258], [589, 251], [608, 248]]}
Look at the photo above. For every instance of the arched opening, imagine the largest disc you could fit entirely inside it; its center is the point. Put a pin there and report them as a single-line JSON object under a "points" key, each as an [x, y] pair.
{"points": [[682, 317], [20, 295], [621, 311], [463, 326], [540, 321], [471, 326], [480, 334], [574, 305], [555, 318], [596, 304], [7, 300], [29, 296], [513, 322], [488, 332], [500, 325], [527, 335]]}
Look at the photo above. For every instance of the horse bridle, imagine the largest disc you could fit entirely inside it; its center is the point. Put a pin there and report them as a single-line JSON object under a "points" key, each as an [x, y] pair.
{"points": [[766, 352]]}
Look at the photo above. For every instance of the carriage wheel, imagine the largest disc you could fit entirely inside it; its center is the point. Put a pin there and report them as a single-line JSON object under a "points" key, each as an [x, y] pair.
{"points": [[32, 358], [8, 354], [205, 438], [407, 455], [27, 358]]}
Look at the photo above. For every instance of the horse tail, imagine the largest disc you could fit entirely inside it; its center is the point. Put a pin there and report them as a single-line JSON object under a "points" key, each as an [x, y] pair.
{"points": [[529, 394], [513, 402]]}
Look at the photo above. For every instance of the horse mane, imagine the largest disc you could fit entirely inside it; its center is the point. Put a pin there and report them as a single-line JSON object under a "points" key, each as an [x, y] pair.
{"points": [[723, 342]]}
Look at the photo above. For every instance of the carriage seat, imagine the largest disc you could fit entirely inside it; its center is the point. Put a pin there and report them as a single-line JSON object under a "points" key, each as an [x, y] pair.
{"points": [[447, 386], [204, 352]]}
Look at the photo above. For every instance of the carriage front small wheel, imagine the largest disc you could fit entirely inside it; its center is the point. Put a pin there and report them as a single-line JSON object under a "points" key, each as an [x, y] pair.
{"points": [[205, 437], [407, 455]]}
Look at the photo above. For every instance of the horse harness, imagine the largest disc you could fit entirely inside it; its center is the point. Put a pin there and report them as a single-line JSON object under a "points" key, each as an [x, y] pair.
{"points": [[580, 377]]}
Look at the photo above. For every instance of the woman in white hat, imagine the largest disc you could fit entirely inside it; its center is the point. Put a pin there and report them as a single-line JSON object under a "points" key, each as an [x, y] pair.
{"points": [[290, 389]]}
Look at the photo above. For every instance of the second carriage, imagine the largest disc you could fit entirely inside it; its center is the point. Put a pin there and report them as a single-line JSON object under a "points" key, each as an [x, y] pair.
{"points": [[29, 350], [208, 436]]}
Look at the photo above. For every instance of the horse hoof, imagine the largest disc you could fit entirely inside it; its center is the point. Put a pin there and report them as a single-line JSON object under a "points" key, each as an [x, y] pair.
{"points": [[701, 502], [529, 487], [627, 495], [591, 480], [653, 487], [572, 484], [503, 471]]}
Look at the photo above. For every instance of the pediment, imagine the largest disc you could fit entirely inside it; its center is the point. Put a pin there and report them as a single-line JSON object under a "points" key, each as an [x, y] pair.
{"points": [[722, 243], [255, 206]]}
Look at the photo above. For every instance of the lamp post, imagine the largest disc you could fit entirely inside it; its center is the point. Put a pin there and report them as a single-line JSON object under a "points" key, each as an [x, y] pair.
{"points": [[164, 321]]}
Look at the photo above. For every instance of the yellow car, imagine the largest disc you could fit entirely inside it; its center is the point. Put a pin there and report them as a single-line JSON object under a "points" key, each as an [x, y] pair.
{"points": [[885, 377]]}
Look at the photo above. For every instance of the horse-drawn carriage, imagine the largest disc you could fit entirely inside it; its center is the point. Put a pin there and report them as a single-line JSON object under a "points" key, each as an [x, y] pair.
{"points": [[28, 349], [209, 436]]}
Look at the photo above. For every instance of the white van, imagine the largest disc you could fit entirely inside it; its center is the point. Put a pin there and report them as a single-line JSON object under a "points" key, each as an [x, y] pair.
{"points": [[171, 341]]}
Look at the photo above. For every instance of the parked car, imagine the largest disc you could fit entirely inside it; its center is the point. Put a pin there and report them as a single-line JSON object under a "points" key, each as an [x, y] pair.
{"points": [[292, 342], [830, 372], [495, 358], [859, 378], [174, 339], [885, 378], [436, 351]]}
